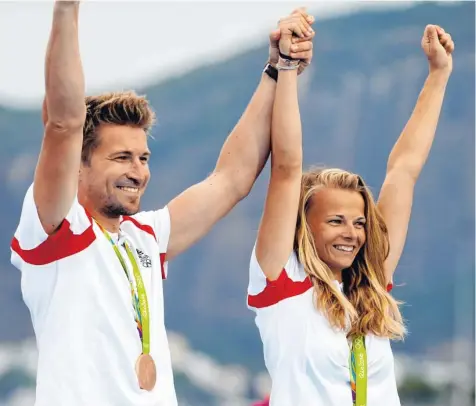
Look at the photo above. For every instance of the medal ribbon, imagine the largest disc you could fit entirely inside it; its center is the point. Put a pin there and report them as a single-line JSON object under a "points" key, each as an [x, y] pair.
{"points": [[358, 371], [139, 300]]}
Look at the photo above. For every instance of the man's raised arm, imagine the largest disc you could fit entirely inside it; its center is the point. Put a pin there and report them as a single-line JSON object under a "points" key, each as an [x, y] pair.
{"points": [[194, 212], [64, 111]]}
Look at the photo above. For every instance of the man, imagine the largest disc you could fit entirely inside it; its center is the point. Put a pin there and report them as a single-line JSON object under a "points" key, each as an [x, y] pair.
{"points": [[92, 265]]}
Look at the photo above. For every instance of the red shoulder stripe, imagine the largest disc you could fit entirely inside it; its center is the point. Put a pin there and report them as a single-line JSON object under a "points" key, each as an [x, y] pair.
{"points": [[60, 245], [143, 227], [278, 290]]}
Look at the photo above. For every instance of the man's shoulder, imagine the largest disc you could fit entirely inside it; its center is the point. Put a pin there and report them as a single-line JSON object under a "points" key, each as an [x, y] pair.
{"points": [[152, 222], [140, 222]]}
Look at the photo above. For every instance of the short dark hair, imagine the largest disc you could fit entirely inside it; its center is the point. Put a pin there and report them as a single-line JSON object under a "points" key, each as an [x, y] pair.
{"points": [[121, 108]]}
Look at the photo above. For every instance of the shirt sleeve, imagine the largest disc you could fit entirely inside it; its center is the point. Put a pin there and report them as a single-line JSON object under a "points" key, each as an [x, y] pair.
{"points": [[163, 225], [32, 245], [263, 293], [159, 220]]}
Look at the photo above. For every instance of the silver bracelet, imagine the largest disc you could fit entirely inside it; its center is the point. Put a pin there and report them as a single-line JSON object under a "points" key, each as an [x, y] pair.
{"points": [[287, 64]]}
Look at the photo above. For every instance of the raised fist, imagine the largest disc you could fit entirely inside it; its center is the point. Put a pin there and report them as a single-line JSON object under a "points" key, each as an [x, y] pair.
{"points": [[438, 47]]}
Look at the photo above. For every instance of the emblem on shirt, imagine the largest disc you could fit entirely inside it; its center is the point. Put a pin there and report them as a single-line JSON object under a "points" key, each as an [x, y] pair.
{"points": [[145, 260]]}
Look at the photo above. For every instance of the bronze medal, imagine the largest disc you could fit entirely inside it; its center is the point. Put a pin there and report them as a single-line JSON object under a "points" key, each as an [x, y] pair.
{"points": [[146, 372]]}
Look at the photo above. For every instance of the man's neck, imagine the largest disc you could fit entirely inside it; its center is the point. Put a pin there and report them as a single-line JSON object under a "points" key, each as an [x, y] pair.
{"points": [[109, 224]]}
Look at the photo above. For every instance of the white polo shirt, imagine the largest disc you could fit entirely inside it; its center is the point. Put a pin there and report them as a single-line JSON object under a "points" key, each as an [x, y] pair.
{"points": [[80, 304], [307, 359]]}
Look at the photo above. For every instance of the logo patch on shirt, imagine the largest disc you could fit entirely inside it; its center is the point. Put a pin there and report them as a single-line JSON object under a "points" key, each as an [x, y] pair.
{"points": [[145, 260]]}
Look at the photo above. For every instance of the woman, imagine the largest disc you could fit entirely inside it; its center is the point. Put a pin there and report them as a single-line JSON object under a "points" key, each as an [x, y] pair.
{"points": [[326, 252]]}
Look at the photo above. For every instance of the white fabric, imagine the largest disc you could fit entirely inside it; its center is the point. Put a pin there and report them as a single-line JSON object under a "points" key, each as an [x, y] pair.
{"points": [[81, 308], [307, 359]]}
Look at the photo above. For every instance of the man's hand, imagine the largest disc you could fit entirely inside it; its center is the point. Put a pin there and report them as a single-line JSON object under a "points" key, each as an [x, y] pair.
{"points": [[438, 47], [301, 45]]}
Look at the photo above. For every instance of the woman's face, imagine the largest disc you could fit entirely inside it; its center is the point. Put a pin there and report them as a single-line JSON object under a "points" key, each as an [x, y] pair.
{"points": [[337, 220]]}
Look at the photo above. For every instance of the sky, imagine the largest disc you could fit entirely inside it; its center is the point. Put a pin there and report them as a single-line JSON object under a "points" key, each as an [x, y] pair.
{"points": [[127, 44]]}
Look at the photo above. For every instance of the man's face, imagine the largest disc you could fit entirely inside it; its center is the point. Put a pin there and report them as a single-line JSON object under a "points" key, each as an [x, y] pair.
{"points": [[118, 173]]}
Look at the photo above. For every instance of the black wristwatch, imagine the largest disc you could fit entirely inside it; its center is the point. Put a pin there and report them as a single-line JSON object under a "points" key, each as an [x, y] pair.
{"points": [[271, 71]]}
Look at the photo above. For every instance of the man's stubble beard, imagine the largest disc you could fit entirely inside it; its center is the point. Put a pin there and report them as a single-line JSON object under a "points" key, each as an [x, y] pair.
{"points": [[116, 209]]}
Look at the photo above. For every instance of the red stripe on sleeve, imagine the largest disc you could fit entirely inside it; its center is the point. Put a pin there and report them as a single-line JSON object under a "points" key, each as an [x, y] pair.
{"points": [[162, 264], [60, 245], [280, 289]]}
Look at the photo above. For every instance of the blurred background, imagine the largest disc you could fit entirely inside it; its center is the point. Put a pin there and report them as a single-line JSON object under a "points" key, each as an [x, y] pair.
{"points": [[199, 64]]}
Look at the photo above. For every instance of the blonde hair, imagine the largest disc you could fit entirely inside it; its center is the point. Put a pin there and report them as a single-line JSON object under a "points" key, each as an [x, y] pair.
{"points": [[121, 108], [364, 306]]}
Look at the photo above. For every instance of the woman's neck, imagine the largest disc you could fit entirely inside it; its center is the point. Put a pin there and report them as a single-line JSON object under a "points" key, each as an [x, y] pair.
{"points": [[337, 275]]}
